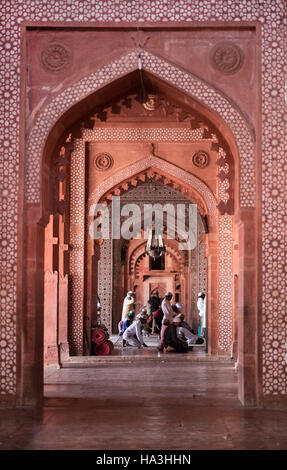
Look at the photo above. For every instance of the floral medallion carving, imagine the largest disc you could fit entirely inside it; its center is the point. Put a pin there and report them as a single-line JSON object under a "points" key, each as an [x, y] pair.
{"points": [[226, 57], [56, 57], [103, 161], [200, 159]]}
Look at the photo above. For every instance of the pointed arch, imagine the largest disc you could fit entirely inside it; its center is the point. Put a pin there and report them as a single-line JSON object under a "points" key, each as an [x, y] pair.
{"points": [[176, 174], [212, 99]]}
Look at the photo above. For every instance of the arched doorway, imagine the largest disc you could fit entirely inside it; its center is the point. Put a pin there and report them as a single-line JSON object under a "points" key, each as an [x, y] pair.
{"points": [[75, 146], [183, 272]]}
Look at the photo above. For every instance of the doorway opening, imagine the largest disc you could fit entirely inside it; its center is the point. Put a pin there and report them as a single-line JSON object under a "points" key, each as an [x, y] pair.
{"points": [[143, 172], [107, 154]]}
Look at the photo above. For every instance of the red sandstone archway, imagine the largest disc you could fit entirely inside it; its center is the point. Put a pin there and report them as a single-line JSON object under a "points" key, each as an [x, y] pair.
{"points": [[36, 216], [169, 181]]}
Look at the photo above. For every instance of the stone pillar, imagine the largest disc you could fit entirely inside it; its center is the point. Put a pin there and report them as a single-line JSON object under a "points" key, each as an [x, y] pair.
{"points": [[89, 267], [50, 299], [225, 283], [105, 284], [116, 306], [31, 318], [194, 287], [212, 294], [94, 282], [63, 296], [234, 351], [247, 309], [77, 241]]}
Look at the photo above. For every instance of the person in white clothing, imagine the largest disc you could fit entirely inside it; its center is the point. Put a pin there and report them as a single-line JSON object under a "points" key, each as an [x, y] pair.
{"points": [[189, 337], [183, 324], [185, 332], [168, 312], [201, 305], [128, 304], [133, 334]]}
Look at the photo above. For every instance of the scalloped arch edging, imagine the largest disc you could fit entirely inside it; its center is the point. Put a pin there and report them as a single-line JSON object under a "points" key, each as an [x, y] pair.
{"points": [[172, 170]]}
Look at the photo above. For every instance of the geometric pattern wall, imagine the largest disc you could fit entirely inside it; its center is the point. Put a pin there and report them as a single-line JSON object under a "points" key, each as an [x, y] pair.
{"points": [[225, 282], [77, 240], [202, 269], [271, 16]]}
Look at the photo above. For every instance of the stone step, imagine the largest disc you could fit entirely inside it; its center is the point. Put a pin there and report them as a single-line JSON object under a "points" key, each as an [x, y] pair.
{"points": [[153, 356]]}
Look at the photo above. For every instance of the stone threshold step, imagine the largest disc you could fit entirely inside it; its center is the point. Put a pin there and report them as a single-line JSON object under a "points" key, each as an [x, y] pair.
{"points": [[91, 361]]}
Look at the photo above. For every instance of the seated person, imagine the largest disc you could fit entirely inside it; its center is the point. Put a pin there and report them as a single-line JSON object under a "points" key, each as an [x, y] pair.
{"points": [[185, 332], [133, 334], [173, 343], [165, 322], [186, 325]]}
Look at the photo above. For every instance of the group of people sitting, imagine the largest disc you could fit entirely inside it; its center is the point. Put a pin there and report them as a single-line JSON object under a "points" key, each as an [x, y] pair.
{"points": [[176, 335]]}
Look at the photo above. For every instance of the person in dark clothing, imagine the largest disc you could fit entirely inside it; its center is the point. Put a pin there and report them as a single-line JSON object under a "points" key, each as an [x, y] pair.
{"points": [[158, 316], [154, 302], [172, 342]]}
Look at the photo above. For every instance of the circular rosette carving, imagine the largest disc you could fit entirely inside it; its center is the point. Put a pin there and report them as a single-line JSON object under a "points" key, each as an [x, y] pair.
{"points": [[56, 57], [103, 161], [200, 159], [226, 57]]}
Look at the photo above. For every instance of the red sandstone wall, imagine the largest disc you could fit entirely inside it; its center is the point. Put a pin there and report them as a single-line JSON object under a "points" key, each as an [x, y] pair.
{"points": [[269, 17]]}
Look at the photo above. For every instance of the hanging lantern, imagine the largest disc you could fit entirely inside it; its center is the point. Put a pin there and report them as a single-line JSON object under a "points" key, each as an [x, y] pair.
{"points": [[155, 246]]}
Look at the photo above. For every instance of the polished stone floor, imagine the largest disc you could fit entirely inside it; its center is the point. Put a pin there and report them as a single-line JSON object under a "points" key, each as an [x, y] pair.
{"points": [[151, 353], [138, 405]]}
